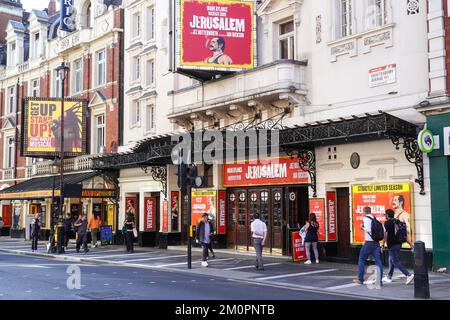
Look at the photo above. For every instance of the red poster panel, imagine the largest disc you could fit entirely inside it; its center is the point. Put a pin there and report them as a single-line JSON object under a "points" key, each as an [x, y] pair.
{"points": [[317, 206], [222, 213], [165, 216], [6, 215], [150, 214], [174, 209], [278, 171], [380, 197], [331, 212], [217, 34], [298, 249], [130, 205], [203, 201]]}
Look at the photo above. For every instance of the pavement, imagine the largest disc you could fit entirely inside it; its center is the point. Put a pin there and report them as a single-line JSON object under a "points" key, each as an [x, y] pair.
{"points": [[326, 280]]}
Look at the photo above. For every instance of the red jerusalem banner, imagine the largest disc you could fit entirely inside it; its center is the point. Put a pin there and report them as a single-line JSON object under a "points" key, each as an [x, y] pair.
{"points": [[150, 213], [217, 34], [279, 171], [298, 250], [317, 206], [331, 212], [221, 229], [165, 216]]}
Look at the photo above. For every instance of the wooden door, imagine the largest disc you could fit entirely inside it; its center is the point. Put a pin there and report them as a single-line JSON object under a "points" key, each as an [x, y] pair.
{"points": [[243, 225], [276, 220], [6, 215], [232, 218], [343, 221]]}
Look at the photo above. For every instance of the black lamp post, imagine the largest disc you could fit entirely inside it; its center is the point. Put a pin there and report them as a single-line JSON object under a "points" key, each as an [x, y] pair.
{"points": [[62, 71]]}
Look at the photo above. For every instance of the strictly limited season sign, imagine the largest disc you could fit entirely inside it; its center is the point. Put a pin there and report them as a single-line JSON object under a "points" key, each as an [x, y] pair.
{"points": [[380, 197], [277, 171], [317, 206], [216, 34]]}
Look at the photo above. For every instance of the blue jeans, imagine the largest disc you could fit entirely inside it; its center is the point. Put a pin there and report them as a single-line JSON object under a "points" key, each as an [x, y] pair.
{"points": [[394, 261], [370, 249]]}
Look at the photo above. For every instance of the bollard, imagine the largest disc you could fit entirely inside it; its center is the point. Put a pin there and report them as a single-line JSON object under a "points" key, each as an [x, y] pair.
{"points": [[421, 283]]}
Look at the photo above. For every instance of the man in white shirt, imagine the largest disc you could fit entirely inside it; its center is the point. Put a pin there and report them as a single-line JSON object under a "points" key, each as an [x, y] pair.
{"points": [[369, 248], [259, 234]]}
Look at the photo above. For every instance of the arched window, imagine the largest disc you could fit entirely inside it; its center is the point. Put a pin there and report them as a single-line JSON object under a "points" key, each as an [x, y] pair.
{"points": [[88, 16]]}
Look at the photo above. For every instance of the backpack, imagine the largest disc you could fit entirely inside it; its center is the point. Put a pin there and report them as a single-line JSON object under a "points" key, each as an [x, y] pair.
{"points": [[401, 233], [377, 230]]}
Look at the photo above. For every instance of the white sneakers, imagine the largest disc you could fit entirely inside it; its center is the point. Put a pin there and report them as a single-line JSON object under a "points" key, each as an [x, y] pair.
{"points": [[204, 264], [386, 279], [308, 262], [409, 278], [317, 261]]}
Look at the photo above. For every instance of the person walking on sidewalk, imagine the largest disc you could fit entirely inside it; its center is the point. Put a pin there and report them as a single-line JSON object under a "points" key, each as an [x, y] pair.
{"points": [[312, 238], [373, 234], [394, 244], [205, 230], [94, 226], [67, 228], [81, 226], [259, 234], [129, 238], [35, 232]]}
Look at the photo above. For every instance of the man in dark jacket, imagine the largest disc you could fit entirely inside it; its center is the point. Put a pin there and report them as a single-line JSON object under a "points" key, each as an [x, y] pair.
{"points": [[35, 231], [81, 225], [205, 230], [68, 227]]}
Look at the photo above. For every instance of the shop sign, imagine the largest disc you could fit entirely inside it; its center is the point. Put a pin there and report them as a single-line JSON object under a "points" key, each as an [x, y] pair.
{"points": [[426, 141], [298, 249], [317, 206], [165, 216], [380, 197], [203, 201], [92, 193], [149, 213], [447, 141], [331, 214], [279, 171], [382, 75], [221, 229], [215, 35]]}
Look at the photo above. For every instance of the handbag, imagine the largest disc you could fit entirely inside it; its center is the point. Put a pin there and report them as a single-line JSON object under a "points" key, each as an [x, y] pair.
{"points": [[135, 233]]}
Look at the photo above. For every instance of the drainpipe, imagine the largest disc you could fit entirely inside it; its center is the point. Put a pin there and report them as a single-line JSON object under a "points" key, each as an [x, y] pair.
{"points": [[16, 137]]}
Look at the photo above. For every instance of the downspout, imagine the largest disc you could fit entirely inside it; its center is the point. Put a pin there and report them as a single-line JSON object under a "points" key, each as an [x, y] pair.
{"points": [[16, 138], [121, 83]]}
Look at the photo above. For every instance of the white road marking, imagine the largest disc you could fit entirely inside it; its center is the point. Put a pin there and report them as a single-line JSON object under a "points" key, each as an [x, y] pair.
{"points": [[29, 291], [56, 288], [182, 263], [295, 274], [153, 258], [120, 255], [106, 284], [130, 282], [249, 267], [173, 281], [25, 266], [344, 286], [152, 282]]}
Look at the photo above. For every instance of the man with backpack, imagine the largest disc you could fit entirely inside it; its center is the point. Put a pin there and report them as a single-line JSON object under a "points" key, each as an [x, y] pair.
{"points": [[373, 234], [396, 235]]}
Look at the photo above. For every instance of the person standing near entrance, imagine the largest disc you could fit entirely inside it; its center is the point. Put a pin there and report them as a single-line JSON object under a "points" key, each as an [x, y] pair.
{"points": [[35, 231], [394, 245], [312, 238], [129, 238], [372, 237], [81, 227], [259, 234], [94, 226], [67, 227], [205, 230]]}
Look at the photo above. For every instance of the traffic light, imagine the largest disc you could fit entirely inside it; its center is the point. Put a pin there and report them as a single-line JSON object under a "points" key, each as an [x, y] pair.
{"points": [[181, 173], [191, 175], [188, 176]]}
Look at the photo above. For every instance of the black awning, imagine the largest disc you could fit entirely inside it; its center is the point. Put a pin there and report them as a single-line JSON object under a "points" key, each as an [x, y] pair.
{"points": [[43, 187]]}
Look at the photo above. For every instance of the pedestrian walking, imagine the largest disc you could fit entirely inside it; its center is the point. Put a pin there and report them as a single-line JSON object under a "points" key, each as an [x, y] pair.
{"points": [[35, 232], [94, 226], [311, 238], [129, 238], [259, 234], [210, 248], [81, 228], [373, 234], [67, 229], [205, 230], [394, 243]]}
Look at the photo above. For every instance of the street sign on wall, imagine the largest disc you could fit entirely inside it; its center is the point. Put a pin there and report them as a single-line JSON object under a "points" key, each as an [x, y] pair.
{"points": [[382, 75]]}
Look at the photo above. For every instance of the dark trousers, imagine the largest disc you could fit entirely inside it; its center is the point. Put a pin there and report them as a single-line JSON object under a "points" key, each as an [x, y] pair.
{"points": [[210, 248], [82, 240], [66, 238], [34, 242], [129, 240], [394, 261], [205, 247]]}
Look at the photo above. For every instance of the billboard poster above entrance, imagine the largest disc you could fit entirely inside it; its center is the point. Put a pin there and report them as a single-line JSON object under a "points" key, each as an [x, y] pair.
{"points": [[41, 135], [380, 197], [317, 206], [216, 35], [281, 171]]}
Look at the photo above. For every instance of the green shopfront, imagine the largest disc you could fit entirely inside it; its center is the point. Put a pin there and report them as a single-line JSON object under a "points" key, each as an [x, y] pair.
{"points": [[438, 122]]}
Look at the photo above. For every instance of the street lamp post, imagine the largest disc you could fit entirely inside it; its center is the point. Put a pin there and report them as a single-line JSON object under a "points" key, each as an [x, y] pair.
{"points": [[62, 71]]}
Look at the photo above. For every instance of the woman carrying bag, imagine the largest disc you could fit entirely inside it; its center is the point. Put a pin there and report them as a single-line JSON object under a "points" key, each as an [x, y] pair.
{"points": [[130, 232], [312, 238]]}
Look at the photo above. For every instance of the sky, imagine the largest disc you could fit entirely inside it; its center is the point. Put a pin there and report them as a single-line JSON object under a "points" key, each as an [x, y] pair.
{"points": [[28, 5]]}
